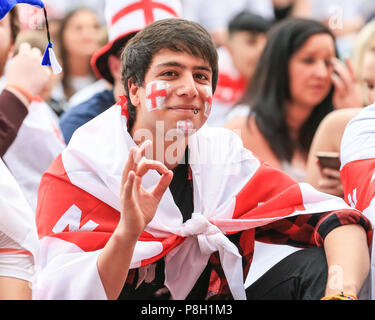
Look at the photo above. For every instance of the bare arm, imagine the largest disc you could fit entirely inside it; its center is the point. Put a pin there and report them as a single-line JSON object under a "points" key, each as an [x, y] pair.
{"points": [[14, 289], [348, 259], [328, 138], [138, 207]]}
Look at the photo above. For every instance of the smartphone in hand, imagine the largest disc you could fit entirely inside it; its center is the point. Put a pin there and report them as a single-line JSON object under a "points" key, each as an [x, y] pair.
{"points": [[329, 160]]}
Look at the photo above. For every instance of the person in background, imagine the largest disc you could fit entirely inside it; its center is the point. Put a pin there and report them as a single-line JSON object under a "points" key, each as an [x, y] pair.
{"points": [[344, 18], [39, 139], [294, 86], [24, 79], [79, 38], [106, 63], [247, 36], [329, 133], [176, 221]]}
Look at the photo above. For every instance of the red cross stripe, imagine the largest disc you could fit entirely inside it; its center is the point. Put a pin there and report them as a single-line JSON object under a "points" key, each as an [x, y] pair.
{"points": [[208, 104], [124, 106], [185, 126], [147, 6], [156, 93]]}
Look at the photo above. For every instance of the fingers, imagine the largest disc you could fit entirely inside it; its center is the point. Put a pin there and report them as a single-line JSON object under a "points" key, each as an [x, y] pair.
{"points": [[162, 185], [137, 166], [129, 165], [331, 173], [24, 47], [129, 186], [135, 156], [147, 165], [351, 69], [143, 148], [343, 71]]}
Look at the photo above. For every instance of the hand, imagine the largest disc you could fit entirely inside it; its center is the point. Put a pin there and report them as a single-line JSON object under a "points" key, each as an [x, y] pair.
{"points": [[331, 182], [138, 206], [347, 92], [25, 70]]}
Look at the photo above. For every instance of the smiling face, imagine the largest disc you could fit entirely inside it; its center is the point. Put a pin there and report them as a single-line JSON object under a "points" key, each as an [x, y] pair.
{"points": [[81, 35], [186, 81], [310, 71]]}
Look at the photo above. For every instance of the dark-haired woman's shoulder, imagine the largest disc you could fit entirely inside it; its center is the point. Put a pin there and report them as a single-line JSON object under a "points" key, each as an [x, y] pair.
{"points": [[252, 138]]}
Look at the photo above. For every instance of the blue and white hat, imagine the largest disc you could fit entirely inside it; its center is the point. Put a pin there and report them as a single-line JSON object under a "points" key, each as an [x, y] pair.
{"points": [[49, 57]]}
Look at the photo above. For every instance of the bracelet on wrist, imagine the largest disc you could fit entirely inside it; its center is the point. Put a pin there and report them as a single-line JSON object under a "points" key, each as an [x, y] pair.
{"points": [[21, 90]]}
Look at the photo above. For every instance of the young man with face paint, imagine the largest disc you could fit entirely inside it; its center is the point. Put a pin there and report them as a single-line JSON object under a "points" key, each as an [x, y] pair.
{"points": [[182, 227]]}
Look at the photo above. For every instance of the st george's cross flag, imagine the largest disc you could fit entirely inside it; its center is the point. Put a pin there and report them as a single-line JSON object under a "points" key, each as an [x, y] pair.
{"points": [[357, 153], [79, 203], [39, 141]]}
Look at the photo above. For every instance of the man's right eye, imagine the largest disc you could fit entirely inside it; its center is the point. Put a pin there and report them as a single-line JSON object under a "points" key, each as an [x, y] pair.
{"points": [[169, 74]]}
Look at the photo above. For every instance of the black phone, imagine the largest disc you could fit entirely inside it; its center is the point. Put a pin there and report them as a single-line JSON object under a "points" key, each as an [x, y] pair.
{"points": [[329, 160]]}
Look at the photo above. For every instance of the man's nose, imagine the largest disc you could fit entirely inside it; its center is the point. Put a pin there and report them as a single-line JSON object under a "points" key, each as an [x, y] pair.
{"points": [[187, 87]]}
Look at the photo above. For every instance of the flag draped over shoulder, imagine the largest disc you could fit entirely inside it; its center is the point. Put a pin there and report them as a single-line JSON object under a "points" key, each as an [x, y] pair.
{"points": [[39, 141], [78, 209], [358, 166], [16, 216]]}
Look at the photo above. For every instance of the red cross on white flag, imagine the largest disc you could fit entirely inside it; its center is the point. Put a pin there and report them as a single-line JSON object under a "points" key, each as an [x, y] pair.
{"points": [[186, 126], [147, 6], [156, 93], [208, 101]]}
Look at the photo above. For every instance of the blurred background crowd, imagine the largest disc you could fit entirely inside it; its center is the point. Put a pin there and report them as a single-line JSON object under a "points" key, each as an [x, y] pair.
{"points": [[276, 107]]}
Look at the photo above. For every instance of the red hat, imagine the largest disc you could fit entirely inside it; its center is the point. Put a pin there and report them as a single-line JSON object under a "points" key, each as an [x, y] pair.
{"points": [[124, 19]]}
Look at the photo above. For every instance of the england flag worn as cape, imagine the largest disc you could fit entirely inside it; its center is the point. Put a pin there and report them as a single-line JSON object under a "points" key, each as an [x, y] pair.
{"points": [[79, 203], [357, 153]]}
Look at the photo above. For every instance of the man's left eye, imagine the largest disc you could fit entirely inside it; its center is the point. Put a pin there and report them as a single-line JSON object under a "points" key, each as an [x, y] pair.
{"points": [[201, 76]]}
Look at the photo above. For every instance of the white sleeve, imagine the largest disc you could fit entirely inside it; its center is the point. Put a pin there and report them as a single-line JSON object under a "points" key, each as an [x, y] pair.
{"points": [[65, 272], [14, 262], [358, 141]]}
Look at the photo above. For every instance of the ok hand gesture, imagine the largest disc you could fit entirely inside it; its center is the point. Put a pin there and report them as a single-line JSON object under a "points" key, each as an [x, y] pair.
{"points": [[138, 206]]}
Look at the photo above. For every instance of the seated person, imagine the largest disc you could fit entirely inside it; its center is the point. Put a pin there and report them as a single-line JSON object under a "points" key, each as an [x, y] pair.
{"points": [[180, 219]]}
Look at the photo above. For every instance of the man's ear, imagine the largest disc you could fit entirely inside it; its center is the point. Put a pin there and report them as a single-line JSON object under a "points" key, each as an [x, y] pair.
{"points": [[134, 93]]}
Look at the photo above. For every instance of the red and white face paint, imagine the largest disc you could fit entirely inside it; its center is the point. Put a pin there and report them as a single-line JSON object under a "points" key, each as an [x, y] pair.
{"points": [[185, 126], [156, 94], [208, 101]]}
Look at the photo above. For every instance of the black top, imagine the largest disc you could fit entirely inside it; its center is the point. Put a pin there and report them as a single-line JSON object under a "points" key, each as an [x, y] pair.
{"points": [[181, 188]]}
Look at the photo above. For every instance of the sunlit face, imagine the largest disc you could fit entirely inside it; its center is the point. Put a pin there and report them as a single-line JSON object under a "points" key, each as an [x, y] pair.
{"points": [[246, 48], [187, 80], [81, 35], [5, 43], [368, 76], [310, 71]]}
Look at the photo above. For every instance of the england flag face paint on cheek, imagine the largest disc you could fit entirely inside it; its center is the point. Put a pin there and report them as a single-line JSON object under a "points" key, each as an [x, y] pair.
{"points": [[156, 94], [185, 126], [208, 101]]}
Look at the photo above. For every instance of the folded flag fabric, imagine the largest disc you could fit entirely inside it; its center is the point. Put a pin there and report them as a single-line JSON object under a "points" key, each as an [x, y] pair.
{"points": [[79, 203]]}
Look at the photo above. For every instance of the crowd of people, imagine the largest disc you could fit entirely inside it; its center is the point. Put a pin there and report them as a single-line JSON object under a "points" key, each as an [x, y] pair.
{"points": [[182, 151]]}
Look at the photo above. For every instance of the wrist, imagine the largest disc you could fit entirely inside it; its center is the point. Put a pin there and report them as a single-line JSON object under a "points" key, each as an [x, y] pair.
{"points": [[24, 95]]}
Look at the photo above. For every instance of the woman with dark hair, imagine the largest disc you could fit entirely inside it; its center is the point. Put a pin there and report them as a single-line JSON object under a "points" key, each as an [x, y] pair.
{"points": [[298, 80]]}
